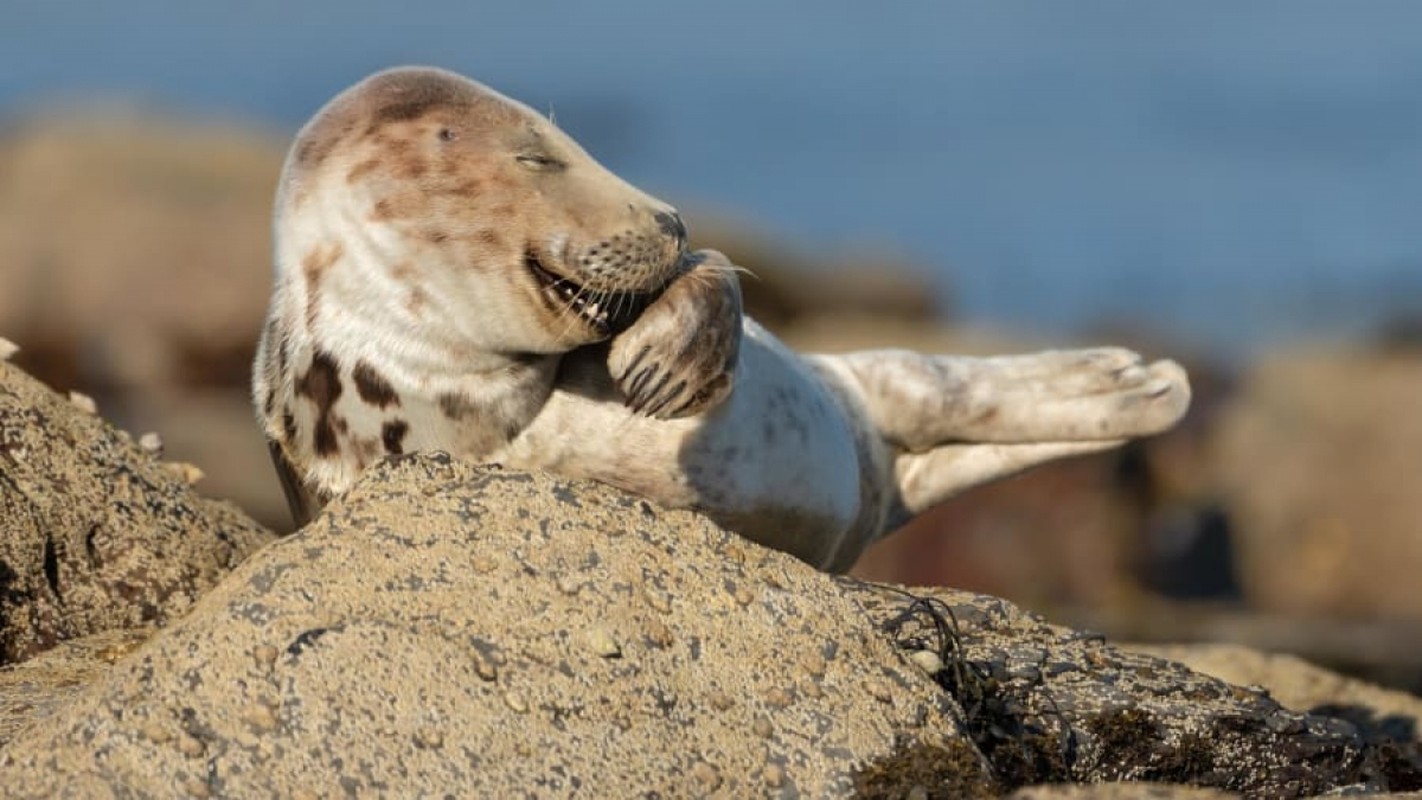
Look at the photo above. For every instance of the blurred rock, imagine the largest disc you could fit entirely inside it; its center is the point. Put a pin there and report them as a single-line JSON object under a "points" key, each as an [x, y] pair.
{"points": [[784, 285], [1321, 461], [135, 256], [134, 252], [1401, 332], [1303, 687]]}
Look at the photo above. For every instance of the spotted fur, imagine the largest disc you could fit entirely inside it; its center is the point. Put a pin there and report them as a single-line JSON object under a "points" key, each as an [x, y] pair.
{"points": [[455, 273]]}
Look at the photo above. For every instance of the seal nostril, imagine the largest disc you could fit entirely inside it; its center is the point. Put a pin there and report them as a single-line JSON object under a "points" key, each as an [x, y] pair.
{"points": [[671, 225]]}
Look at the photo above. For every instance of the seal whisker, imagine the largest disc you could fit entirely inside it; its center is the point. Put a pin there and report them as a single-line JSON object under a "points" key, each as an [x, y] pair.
{"points": [[570, 314]]}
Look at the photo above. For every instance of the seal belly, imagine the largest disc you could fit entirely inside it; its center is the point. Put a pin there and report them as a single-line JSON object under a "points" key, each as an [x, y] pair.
{"points": [[775, 462]]}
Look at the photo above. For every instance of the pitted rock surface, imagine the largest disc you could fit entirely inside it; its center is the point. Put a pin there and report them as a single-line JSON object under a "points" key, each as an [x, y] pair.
{"points": [[35, 689], [454, 628], [1048, 704], [95, 534], [446, 626]]}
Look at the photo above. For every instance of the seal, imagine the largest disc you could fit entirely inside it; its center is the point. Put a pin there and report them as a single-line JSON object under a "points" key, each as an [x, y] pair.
{"points": [[455, 273]]}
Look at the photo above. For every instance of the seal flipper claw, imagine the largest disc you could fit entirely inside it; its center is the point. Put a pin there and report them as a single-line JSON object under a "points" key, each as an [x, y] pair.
{"points": [[685, 344]]}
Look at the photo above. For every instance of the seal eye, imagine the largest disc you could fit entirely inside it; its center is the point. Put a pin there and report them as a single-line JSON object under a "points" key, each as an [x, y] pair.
{"points": [[448, 134], [541, 163]]}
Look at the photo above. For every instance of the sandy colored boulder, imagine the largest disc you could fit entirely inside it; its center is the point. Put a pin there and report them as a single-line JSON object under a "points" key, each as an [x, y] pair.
{"points": [[494, 633], [134, 251], [1321, 459], [95, 533], [447, 627], [33, 690], [1048, 704], [1301, 686]]}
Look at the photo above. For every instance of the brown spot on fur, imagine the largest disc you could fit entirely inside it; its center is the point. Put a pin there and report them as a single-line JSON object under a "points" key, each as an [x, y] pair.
{"points": [[269, 402], [397, 206], [490, 237], [367, 449], [412, 93], [470, 188], [288, 425], [416, 301], [282, 355], [503, 210], [456, 406], [322, 384], [320, 259], [362, 169], [313, 150], [393, 147], [411, 168], [372, 386], [392, 434], [314, 266], [434, 235], [987, 415], [418, 105]]}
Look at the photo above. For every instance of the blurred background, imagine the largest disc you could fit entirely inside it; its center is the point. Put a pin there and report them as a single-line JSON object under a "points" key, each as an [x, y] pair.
{"points": [[1233, 185]]}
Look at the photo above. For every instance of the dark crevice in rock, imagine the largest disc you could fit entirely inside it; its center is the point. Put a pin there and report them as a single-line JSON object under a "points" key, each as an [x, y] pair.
{"points": [[51, 569]]}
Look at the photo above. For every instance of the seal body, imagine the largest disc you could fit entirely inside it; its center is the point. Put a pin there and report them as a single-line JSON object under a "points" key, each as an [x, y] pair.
{"points": [[455, 273]]}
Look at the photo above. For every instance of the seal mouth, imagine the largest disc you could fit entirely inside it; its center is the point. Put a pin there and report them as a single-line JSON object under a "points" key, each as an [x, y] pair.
{"points": [[605, 312]]}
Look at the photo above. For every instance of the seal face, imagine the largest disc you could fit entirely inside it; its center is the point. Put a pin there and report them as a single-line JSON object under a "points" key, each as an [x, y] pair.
{"points": [[455, 273], [469, 184]]}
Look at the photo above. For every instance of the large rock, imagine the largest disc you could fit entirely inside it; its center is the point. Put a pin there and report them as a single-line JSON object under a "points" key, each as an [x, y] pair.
{"points": [[135, 261], [449, 628], [95, 533], [501, 633], [1321, 461], [1297, 684], [134, 251]]}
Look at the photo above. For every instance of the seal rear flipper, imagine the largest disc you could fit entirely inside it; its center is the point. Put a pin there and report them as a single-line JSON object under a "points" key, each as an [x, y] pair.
{"points": [[299, 499]]}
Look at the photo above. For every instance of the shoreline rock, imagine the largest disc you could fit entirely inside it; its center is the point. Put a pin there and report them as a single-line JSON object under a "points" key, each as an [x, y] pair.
{"points": [[453, 626], [95, 533]]}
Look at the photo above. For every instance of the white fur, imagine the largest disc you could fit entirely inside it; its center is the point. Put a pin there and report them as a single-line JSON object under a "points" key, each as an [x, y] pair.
{"points": [[817, 456]]}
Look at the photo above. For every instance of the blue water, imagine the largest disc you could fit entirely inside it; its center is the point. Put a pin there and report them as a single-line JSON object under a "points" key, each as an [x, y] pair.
{"points": [[1233, 173]]}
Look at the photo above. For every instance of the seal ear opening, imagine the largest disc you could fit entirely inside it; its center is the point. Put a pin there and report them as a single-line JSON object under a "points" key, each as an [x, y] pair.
{"points": [[299, 500]]}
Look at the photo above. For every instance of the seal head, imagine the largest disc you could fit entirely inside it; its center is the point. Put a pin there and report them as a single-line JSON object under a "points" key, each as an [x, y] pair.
{"points": [[438, 247], [450, 185]]}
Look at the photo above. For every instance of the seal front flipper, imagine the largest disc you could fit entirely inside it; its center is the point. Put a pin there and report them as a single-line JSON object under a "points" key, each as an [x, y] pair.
{"points": [[678, 359], [299, 499]]}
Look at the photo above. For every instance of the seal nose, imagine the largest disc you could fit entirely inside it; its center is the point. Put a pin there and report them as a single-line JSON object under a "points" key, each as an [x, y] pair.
{"points": [[670, 224]]}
